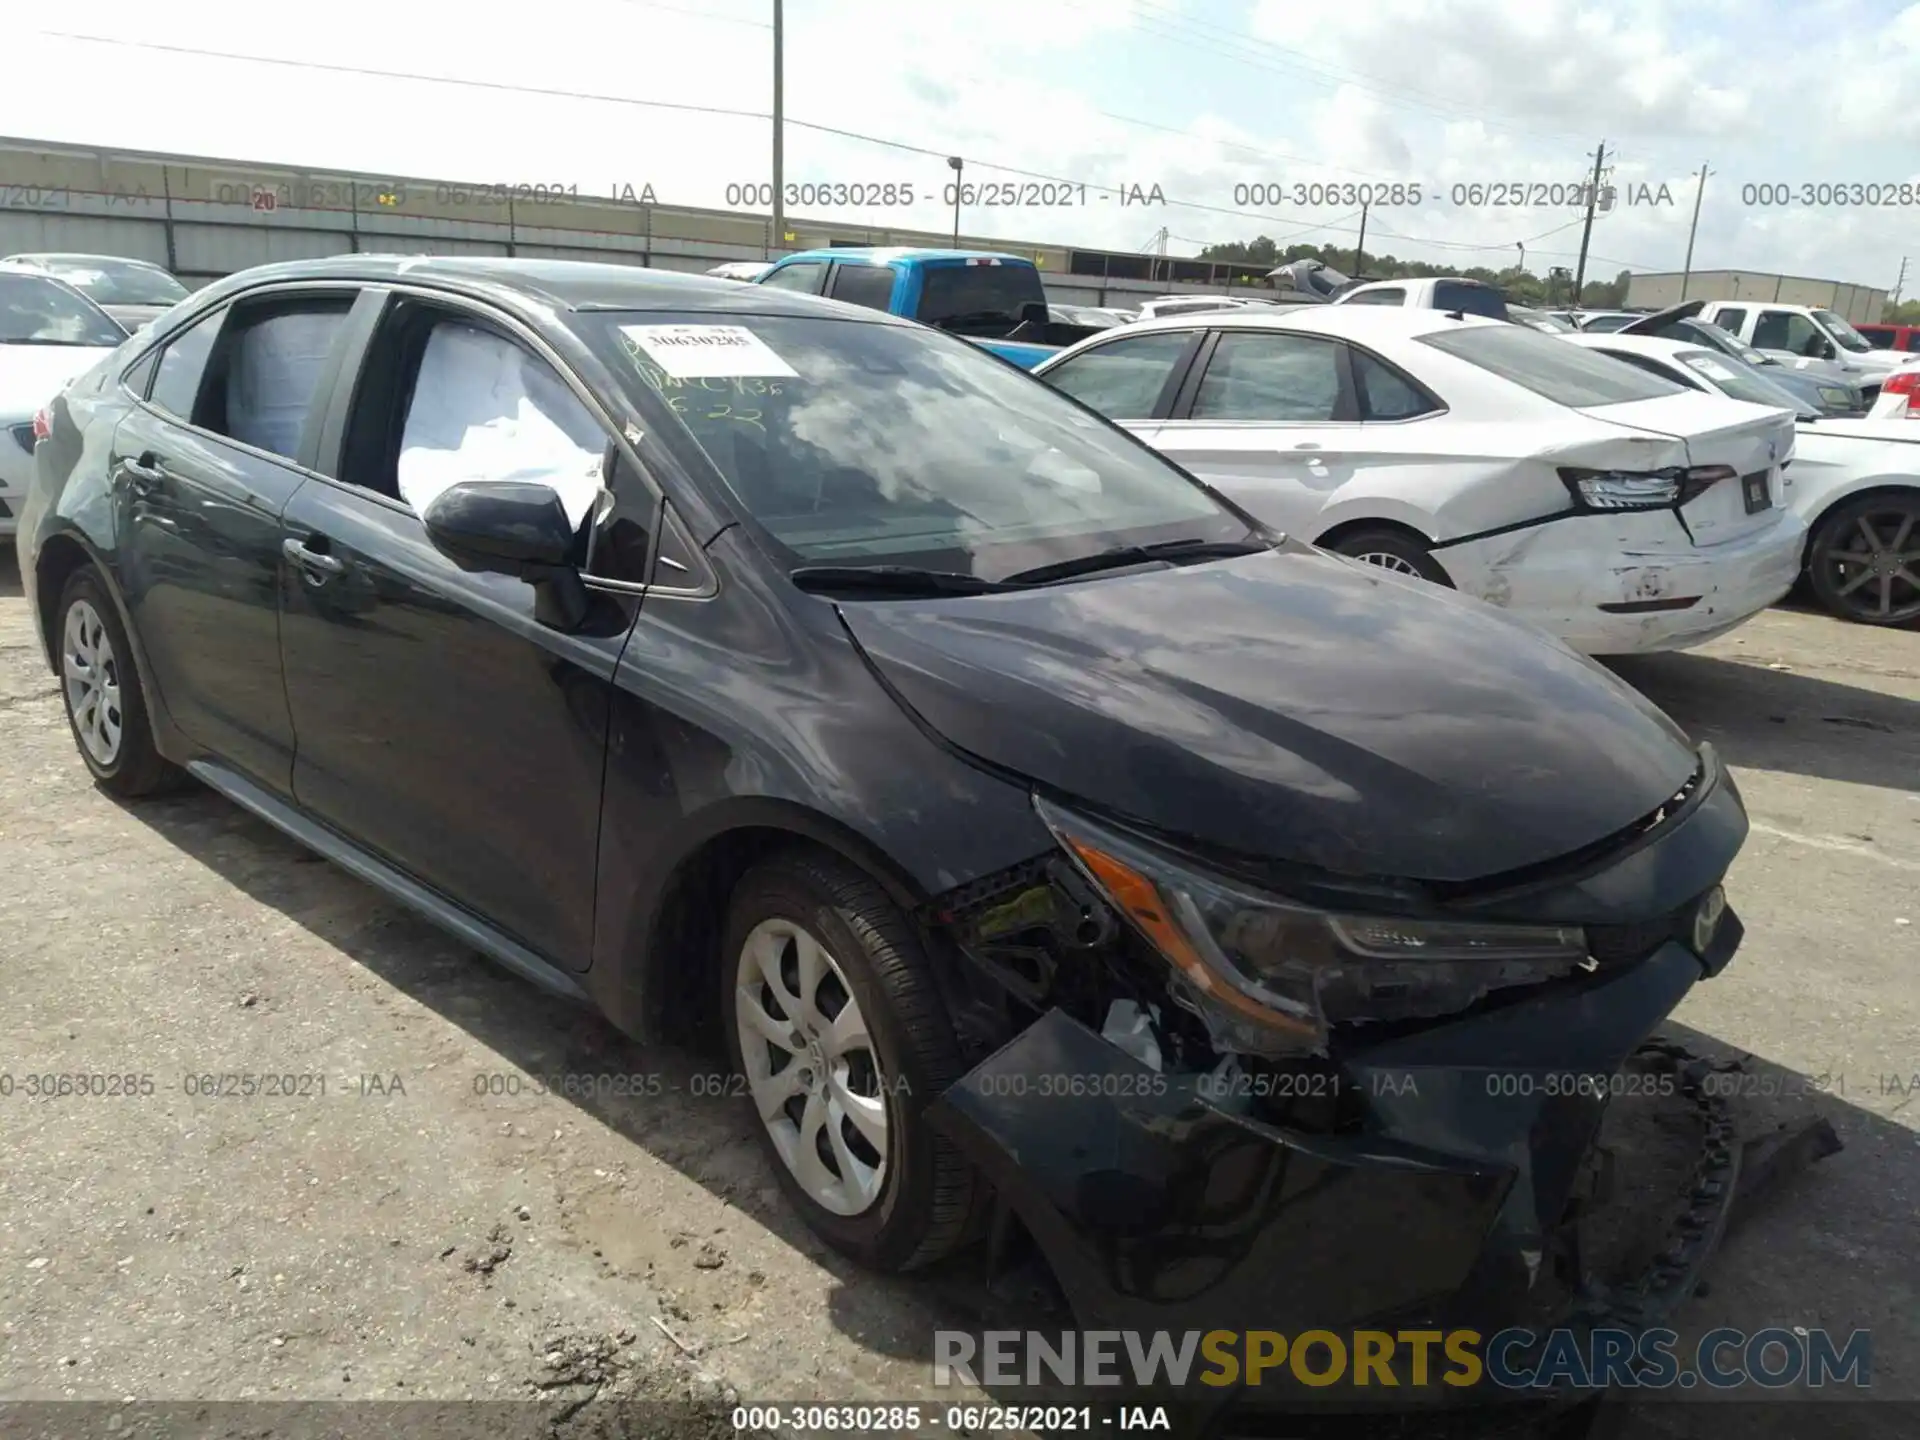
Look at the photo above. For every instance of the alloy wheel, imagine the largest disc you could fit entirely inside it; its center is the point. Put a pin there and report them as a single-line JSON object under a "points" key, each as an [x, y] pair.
{"points": [[92, 675], [1399, 564], [811, 1066], [1874, 567]]}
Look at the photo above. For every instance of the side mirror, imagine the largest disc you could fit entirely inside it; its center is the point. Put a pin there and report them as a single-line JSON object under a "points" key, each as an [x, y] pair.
{"points": [[1034, 313], [512, 528]]}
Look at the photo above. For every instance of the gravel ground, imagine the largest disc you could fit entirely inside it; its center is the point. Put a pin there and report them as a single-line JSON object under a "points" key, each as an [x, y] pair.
{"points": [[435, 1227]]}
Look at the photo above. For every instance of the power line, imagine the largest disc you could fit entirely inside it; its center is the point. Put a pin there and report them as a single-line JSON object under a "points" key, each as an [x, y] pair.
{"points": [[551, 92]]}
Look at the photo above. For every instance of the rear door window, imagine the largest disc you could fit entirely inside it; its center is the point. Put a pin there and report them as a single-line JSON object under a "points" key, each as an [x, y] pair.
{"points": [[264, 375], [1732, 321], [1123, 379], [1470, 299], [176, 381], [1270, 377], [1393, 295], [1385, 393], [867, 285], [966, 296]]}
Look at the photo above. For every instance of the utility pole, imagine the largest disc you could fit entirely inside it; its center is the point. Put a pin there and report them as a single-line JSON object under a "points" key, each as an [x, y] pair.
{"points": [[1686, 269], [1521, 246], [1360, 250], [1586, 231], [958, 166], [1901, 283], [779, 125]]}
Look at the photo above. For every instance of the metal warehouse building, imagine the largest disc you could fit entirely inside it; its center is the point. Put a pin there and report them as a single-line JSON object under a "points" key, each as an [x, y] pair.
{"points": [[1860, 304], [204, 218]]}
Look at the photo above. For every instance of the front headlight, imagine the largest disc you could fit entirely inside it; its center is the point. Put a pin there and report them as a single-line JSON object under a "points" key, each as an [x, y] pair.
{"points": [[1271, 975], [1836, 397]]}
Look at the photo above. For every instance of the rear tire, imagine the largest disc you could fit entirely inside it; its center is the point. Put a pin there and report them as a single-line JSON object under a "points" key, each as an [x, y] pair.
{"points": [[100, 686], [1865, 555], [1393, 550], [856, 1017]]}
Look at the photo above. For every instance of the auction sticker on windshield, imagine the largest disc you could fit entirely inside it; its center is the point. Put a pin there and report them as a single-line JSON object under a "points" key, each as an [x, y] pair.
{"points": [[708, 352]]}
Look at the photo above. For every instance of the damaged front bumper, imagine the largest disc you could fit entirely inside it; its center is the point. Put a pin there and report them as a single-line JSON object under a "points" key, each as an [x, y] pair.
{"points": [[1441, 1177]]}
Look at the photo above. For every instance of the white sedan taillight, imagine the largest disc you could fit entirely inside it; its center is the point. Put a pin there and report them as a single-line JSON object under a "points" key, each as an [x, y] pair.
{"points": [[42, 424], [1906, 384]]}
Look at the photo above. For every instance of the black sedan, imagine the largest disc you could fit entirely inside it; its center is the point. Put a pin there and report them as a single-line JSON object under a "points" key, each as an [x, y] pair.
{"points": [[1038, 833]]}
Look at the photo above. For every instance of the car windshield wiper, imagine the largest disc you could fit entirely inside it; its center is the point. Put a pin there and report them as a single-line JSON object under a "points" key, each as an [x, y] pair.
{"points": [[891, 580], [1123, 556]]}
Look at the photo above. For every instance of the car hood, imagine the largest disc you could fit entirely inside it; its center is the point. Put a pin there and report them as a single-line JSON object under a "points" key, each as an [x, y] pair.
{"points": [[1292, 706], [31, 375]]}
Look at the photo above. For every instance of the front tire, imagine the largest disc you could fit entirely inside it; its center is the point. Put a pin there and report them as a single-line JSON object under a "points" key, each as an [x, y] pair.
{"points": [[1392, 550], [100, 686], [1863, 562], [832, 1017]]}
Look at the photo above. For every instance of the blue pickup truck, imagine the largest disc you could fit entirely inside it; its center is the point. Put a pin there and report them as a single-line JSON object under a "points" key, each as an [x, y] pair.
{"points": [[994, 300]]}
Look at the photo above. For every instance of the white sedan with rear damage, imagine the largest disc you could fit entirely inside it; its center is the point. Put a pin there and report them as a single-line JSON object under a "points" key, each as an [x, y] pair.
{"points": [[1856, 483], [1618, 510]]}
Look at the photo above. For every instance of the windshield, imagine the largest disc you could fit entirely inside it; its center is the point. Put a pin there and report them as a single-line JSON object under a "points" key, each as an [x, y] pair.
{"points": [[850, 444], [106, 281], [967, 298], [1843, 333], [35, 310], [1550, 367], [1718, 339], [1740, 382]]}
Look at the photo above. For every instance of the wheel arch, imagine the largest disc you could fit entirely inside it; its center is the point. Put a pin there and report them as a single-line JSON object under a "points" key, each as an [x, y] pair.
{"points": [[1334, 534], [663, 983], [59, 556]]}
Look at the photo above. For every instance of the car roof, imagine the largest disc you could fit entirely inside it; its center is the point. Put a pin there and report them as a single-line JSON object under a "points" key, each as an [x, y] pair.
{"points": [[576, 285], [885, 254], [73, 257], [1362, 322]]}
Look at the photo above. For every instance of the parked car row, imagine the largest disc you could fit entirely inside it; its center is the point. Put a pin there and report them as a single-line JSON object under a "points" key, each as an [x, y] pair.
{"points": [[1619, 512], [1855, 482], [1050, 840]]}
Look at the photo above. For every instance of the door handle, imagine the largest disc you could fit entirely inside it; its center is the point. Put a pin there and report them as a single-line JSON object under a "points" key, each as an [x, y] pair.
{"points": [[142, 475], [318, 566]]}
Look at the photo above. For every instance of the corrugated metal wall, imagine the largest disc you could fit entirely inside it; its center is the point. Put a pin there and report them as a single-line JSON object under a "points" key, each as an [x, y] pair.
{"points": [[1861, 304], [203, 219]]}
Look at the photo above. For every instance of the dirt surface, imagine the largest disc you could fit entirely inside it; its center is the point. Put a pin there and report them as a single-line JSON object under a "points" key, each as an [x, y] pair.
{"points": [[442, 1224]]}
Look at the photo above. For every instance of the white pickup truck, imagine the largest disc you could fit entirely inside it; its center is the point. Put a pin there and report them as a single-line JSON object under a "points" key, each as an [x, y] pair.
{"points": [[1432, 292], [1806, 332]]}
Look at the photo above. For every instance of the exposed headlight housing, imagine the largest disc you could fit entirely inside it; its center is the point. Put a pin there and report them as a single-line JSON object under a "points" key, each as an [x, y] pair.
{"points": [[1668, 489], [1836, 397], [1271, 976]]}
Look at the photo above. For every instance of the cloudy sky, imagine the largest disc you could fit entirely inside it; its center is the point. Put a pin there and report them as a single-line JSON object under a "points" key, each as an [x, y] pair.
{"points": [[1201, 98]]}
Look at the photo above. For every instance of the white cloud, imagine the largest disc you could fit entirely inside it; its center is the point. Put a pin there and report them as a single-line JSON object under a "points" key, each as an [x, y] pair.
{"points": [[1439, 92]]}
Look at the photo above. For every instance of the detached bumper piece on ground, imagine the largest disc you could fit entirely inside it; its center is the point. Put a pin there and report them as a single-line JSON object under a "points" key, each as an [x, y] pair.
{"points": [[1536, 1160]]}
